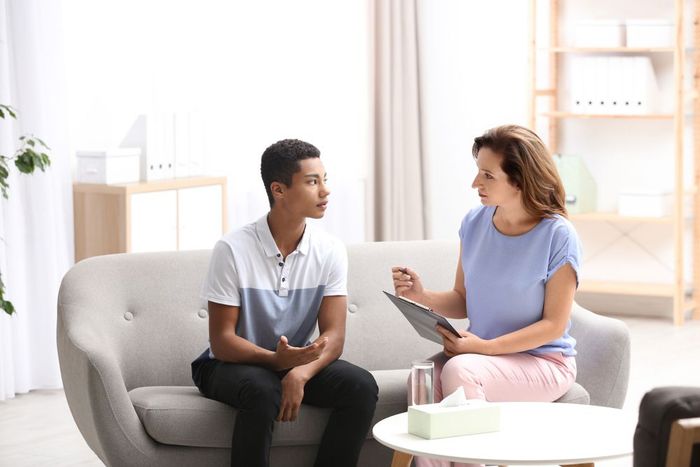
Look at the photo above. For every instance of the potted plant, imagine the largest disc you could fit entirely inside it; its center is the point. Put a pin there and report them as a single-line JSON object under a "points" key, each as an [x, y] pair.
{"points": [[30, 156]]}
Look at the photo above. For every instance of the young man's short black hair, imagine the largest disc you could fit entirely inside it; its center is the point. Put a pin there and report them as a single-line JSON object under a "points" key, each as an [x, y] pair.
{"points": [[281, 160]]}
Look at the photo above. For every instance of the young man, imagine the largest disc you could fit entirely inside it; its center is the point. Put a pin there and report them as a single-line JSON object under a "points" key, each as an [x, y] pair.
{"points": [[268, 284]]}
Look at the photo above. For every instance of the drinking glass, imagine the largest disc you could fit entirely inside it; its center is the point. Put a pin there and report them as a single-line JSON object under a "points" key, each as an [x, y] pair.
{"points": [[422, 382]]}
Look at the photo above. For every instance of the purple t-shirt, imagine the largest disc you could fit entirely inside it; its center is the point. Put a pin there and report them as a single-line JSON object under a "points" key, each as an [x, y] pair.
{"points": [[505, 276]]}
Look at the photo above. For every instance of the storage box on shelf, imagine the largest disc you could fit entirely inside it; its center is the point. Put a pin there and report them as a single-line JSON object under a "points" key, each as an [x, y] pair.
{"points": [[119, 165], [598, 88], [645, 203], [581, 190], [600, 33], [649, 33]]}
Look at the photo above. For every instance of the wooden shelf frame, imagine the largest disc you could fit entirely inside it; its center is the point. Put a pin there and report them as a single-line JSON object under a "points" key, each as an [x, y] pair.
{"points": [[609, 50], [617, 218], [554, 115], [561, 114], [644, 289]]}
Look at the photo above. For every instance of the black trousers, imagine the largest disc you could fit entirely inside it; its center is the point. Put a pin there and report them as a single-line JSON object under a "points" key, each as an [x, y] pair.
{"points": [[256, 392]]}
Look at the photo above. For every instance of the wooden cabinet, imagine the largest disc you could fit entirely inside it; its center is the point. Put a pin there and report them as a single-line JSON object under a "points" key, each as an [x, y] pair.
{"points": [[550, 112], [162, 215]]}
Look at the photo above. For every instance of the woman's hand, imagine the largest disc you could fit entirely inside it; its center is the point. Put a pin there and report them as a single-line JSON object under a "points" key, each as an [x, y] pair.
{"points": [[407, 283], [467, 343]]}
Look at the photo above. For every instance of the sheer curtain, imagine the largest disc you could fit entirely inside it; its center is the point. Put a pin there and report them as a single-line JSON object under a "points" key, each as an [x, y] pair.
{"points": [[36, 221], [398, 188]]}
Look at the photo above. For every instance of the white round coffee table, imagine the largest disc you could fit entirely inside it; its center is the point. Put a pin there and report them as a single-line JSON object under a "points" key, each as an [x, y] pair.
{"points": [[531, 433]]}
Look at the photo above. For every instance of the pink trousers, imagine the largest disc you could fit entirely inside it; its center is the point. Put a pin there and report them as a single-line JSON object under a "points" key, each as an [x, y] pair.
{"points": [[520, 377]]}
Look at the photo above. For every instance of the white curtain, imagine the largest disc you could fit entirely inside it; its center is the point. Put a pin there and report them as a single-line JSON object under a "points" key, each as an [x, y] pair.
{"points": [[399, 170], [36, 221]]}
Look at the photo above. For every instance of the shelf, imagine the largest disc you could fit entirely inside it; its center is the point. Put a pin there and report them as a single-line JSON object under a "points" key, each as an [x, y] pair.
{"points": [[145, 187], [605, 50], [558, 114], [615, 217], [646, 289]]}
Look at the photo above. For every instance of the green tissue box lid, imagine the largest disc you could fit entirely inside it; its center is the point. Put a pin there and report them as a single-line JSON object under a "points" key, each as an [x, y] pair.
{"points": [[432, 421]]}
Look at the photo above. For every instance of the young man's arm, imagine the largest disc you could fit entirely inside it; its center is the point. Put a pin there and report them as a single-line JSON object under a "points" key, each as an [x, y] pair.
{"points": [[331, 326], [227, 346]]}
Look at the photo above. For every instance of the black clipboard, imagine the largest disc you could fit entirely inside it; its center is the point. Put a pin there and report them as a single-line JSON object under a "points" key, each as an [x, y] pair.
{"points": [[422, 318]]}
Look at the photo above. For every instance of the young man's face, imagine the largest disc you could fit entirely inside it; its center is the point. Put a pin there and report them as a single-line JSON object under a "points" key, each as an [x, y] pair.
{"points": [[308, 194], [492, 182]]}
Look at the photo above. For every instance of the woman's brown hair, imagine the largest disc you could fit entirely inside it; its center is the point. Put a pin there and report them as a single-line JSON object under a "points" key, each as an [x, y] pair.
{"points": [[529, 166]]}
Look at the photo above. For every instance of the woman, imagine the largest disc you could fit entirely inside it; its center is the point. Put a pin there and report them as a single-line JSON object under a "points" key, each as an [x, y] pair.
{"points": [[515, 280]]}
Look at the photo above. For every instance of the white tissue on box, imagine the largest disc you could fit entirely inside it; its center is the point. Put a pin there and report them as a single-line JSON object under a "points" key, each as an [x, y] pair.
{"points": [[454, 416]]}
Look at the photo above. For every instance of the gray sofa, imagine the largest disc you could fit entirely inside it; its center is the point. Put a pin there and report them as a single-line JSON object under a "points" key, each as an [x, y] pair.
{"points": [[129, 325]]}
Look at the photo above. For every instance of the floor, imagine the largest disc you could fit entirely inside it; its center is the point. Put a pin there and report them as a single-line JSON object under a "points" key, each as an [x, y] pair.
{"points": [[36, 429]]}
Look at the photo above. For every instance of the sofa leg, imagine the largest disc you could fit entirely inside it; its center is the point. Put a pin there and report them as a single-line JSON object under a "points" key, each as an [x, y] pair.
{"points": [[401, 459]]}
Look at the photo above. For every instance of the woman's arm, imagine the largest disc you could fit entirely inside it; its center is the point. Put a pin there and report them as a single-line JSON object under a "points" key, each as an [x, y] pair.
{"points": [[449, 303], [558, 300]]}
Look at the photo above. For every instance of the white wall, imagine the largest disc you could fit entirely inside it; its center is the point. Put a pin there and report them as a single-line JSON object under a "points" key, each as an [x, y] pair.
{"points": [[258, 71], [474, 57]]}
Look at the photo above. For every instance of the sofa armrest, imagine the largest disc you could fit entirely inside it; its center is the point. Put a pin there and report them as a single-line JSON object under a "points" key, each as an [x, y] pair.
{"points": [[603, 360], [97, 395]]}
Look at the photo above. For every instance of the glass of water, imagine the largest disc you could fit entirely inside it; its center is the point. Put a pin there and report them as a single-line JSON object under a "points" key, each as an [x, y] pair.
{"points": [[422, 382]]}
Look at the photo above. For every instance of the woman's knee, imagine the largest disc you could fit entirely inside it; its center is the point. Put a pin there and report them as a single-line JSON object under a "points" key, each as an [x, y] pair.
{"points": [[457, 373]]}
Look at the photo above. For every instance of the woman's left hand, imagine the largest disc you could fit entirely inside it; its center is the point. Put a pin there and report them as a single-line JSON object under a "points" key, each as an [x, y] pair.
{"points": [[467, 343]]}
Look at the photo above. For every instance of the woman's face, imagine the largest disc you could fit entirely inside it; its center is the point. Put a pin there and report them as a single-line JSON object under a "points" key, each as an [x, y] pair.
{"points": [[492, 182]]}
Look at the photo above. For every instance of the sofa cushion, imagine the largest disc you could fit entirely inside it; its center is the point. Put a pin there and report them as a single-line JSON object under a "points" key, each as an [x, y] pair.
{"points": [[576, 395], [180, 415]]}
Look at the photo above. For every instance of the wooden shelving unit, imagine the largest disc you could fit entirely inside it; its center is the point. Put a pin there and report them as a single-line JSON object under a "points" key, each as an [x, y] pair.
{"points": [[682, 298], [106, 220]]}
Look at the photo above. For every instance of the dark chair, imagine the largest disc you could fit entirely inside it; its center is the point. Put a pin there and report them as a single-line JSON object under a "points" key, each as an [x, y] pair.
{"points": [[668, 430]]}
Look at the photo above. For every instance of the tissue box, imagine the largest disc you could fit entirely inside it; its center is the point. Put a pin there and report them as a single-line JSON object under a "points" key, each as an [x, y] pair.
{"points": [[434, 421]]}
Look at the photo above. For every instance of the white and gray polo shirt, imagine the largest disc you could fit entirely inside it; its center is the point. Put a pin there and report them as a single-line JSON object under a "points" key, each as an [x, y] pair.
{"points": [[276, 296]]}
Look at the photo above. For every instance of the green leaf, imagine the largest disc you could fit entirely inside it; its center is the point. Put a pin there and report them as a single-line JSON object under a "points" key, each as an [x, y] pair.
{"points": [[31, 142], [8, 109], [25, 161], [42, 143], [45, 159], [6, 305], [21, 138]]}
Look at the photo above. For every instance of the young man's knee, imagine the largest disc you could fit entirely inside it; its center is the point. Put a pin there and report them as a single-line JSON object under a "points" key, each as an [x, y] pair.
{"points": [[364, 388], [257, 394]]}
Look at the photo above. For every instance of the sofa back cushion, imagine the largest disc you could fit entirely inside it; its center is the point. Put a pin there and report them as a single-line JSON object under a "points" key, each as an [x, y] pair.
{"points": [[378, 336], [145, 308], [142, 308]]}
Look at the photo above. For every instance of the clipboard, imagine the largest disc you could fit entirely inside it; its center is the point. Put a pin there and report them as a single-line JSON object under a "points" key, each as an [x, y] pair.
{"points": [[422, 318]]}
